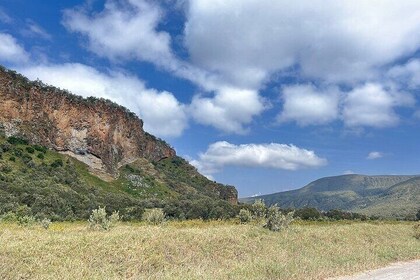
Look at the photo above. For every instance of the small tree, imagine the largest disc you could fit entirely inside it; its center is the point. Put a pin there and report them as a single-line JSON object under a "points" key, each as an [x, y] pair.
{"points": [[99, 219], [276, 220], [259, 210], [154, 216], [45, 223], [244, 216]]}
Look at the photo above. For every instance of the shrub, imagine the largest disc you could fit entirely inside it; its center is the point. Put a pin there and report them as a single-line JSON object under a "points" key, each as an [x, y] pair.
{"points": [[418, 215], [30, 150], [308, 213], [276, 220], [245, 216], [26, 221], [12, 159], [9, 217], [417, 231], [154, 216], [41, 149], [40, 156], [57, 163], [45, 223], [16, 140], [99, 219], [259, 210]]}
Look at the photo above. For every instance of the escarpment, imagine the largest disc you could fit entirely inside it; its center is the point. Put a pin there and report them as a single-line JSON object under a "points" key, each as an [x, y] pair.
{"points": [[96, 131]]}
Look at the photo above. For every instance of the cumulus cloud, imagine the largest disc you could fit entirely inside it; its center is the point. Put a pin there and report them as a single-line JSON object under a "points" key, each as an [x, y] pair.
{"points": [[123, 30], [372, 105], [307, 105], [11, 50], [374, 155], [163, 115], [408, 74], [229, 110], [247, 40], [279, 156]]}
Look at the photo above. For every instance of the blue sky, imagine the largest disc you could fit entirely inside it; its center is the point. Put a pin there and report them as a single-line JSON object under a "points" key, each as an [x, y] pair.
{"points": [[264, 95]]}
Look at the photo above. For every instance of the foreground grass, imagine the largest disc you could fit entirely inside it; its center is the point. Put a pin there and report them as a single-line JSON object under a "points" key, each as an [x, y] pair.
{"points": [[198, 250]]}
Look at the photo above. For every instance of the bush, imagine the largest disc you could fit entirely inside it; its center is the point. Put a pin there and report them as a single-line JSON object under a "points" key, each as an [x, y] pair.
{"points": [[30, 150], [417, 231], [17, 141], [99, 219], [9, 217], [308, 213], [40, 156], [57, 163], [245, 216], [26, 221], [45, 223], [259, 210], [154, 216], [276, 220]]}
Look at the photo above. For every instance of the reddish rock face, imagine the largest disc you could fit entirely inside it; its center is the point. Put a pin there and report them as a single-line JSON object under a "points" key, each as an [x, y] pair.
{"points": [[91, 128]]}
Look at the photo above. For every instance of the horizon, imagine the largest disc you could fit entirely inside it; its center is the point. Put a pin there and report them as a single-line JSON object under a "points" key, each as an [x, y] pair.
{"points": [[260, 100]]}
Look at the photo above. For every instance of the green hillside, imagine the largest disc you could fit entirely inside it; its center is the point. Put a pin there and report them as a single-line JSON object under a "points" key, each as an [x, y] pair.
{"points": [[384, 196], [41, 182]]}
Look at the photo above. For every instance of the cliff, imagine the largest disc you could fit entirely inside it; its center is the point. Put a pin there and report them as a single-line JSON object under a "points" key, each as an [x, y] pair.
{"points": [[98, 132]]}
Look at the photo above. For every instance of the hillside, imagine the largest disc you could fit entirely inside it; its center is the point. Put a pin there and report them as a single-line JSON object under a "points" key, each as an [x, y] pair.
{"points": [[62, 155], [385, 196]]}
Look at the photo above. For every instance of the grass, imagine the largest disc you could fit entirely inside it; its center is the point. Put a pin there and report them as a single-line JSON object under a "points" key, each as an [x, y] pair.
{"points": [[202, 250]]}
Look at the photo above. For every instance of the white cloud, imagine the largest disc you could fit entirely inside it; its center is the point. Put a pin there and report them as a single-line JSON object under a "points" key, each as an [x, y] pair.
{"points": [[11, 50], [279, 156], [36, 31], [374, 155], [5, 17], [349, 172], [229, 110], [123, 30], [408, 73], [306, 105], [163, 115], [372, 105], [247, 40]]}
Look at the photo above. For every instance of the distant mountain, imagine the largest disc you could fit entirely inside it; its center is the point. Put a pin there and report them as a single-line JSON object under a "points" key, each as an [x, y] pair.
{"points": [[385, 196]]}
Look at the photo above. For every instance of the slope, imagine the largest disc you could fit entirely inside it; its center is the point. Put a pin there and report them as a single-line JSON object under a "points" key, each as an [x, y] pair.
{"points": [[386, 196]]}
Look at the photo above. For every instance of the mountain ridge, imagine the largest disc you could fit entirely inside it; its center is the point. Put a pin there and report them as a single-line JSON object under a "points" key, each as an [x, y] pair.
{"points": [[380, 195]]}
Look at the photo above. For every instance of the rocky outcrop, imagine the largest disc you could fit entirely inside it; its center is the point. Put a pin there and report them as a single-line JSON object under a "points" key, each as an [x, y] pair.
{"points": [[96, 131]]}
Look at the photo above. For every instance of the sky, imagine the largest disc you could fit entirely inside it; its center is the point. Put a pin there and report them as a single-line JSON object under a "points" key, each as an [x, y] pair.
{"points": [[263, 95]]}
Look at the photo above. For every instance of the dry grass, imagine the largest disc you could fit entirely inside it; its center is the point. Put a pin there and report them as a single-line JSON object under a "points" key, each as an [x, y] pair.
{"points": [[198, 250]]}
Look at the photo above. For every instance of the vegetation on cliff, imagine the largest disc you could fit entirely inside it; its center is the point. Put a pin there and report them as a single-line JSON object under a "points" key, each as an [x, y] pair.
{"points": [[35, 181]]}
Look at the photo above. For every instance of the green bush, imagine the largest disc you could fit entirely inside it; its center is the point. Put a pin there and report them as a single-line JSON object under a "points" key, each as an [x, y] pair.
{"points": [[26, 221], [41, 149], [57, 163], [276, 220], [12, 158], [9, 217], [40, 156], [245, 216], [99, 220], [154, 216], [17, 141], [259, 210], [30, 150]]}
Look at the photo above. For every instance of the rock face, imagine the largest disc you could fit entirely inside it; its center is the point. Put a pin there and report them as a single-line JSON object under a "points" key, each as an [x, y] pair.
{"points": [[98, 132]]}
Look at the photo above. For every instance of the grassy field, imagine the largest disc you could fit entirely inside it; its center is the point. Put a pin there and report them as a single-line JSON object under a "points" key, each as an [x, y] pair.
{"points": [[200, 250]]}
